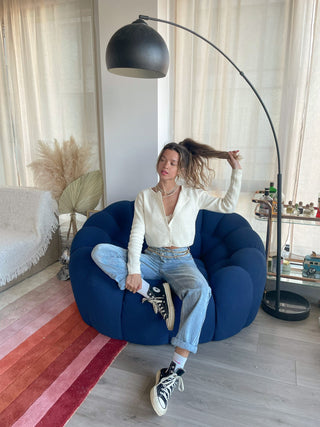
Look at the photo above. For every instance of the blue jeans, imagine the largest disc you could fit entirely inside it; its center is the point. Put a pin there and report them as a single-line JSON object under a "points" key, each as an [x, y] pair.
{"points": [[175, 266]]}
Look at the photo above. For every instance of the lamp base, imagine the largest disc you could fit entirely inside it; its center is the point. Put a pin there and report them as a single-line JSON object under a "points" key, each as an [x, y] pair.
{"points": [[292, 306]]}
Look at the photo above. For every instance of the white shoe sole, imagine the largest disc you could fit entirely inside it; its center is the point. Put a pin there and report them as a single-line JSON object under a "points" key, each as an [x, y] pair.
{"points": [[171, 313], [154, 401]]}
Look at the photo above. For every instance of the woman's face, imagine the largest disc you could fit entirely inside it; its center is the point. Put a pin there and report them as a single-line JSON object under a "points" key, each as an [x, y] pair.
{"points": [[168, 165]]}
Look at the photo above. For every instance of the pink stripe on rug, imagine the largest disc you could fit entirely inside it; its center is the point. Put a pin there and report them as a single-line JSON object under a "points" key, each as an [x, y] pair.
{"points": [[31, 309], [39, 408], [48, 366], [32, 299], [65, 407], [30, 394], [31, 325], [41, 305]]}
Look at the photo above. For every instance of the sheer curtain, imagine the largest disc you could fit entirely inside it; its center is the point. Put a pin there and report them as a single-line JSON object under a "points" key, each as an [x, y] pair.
{"points": [[213, 103], [276, 43], [299, 126], [47, 81]]}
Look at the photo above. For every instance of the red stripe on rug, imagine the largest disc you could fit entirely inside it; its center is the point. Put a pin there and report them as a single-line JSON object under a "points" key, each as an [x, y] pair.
{"points": [[65, 407], [38, 343], [15, 382], [42, 405], [17, 408]]}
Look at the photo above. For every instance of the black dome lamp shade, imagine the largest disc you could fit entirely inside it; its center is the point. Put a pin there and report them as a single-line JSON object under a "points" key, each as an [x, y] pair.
{"points": [[137, 50]]}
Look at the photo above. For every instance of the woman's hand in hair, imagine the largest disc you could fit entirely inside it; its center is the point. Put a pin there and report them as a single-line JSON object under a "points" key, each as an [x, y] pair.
{"points": [[234, 159]]}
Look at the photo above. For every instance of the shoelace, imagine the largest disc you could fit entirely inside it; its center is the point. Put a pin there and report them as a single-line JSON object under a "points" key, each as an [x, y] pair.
{"points": [[169, 383], [157, 304]]}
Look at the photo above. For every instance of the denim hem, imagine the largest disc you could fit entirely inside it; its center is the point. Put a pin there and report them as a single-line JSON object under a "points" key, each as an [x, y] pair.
{"points": [[186, 346], [122, 285]]}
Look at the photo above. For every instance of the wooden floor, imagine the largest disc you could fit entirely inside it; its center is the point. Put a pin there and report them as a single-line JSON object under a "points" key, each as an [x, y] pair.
{"points": [[267, 375]]}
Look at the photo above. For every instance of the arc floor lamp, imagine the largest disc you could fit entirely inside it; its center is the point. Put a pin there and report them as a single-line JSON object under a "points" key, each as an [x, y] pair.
{"points": [[137, 50]]}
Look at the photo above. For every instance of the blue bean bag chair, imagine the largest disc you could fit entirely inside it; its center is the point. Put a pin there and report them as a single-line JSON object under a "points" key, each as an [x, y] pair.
{"points": [[226, 249]]}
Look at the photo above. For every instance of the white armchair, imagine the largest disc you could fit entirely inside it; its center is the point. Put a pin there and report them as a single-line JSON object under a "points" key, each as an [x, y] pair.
{"points": [[28, 224]]}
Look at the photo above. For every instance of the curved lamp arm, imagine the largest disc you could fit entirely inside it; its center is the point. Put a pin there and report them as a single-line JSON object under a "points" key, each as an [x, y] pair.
{"points": [[279, 176], [137, 50]]}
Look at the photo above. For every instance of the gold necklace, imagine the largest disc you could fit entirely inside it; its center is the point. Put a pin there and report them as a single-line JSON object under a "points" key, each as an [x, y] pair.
{"points": [[165, 193]]}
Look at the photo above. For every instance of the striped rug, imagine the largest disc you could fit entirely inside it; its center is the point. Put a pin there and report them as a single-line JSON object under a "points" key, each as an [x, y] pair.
{"points": [[49, 358]]}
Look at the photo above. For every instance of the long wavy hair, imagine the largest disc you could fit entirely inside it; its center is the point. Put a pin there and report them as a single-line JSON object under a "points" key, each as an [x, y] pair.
{"points": [[194, 161]]}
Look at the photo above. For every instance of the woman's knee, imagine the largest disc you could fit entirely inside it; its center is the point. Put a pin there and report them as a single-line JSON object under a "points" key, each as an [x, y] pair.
{"points": [[95, 253], [200, 289], [204, 290], [98, 251], [103, 251]]}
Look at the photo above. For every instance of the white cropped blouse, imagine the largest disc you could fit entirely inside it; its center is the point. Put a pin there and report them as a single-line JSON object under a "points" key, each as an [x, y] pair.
{"points": [[150, 221]]}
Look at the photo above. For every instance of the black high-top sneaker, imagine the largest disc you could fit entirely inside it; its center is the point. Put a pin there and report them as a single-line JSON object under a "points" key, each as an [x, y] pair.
{"points": [[161, 300], [166, 382]]}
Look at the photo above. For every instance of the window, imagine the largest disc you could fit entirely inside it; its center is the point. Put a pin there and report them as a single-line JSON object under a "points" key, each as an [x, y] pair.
{"points": [[47, 81]]}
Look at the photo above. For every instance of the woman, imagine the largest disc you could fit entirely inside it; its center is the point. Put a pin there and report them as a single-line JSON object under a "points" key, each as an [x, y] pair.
{"points": [[165, 217]]}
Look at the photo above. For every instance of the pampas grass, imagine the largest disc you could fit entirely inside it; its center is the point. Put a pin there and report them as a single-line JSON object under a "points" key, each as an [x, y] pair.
{"points": [[60, 164]]}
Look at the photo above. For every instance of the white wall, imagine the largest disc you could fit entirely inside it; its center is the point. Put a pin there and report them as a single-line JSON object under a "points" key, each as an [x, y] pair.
{"points": [[129, 109]]}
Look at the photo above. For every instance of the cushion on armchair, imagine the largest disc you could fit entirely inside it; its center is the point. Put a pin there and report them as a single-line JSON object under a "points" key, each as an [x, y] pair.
{"points": [[226, 249]]}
